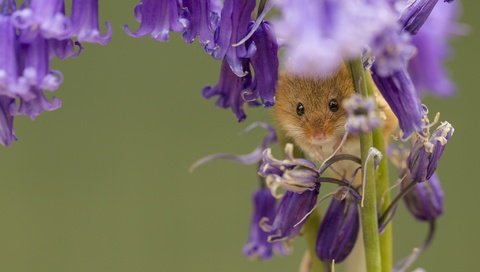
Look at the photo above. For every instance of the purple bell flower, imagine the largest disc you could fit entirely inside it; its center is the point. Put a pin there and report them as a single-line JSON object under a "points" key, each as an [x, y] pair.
{"points": [[425, 200], [292, 212], [157, 18], [339, 228], [400, 94], [34, 107], [258, 244], [427, 66], [234, 21], [423, 159], [42, 17], [7, 133], [64, 49], [203, 17], [11, 83], [415, 14], [265, 64], [85, 22], [231, 89]]}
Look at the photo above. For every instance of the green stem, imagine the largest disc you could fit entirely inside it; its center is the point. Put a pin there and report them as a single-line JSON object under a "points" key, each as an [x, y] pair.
{"points": [[383, 194], [310, 232], [369, 210]]}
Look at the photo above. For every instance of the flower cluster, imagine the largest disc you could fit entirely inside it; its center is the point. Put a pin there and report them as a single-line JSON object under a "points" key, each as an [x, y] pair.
{"points": [[249, 69], [30, 36]]}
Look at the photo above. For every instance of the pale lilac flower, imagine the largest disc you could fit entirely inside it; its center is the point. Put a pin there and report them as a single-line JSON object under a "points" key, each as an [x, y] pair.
{"points": [[339, 228], [320, 35], [157, 18], [361, 115], [427, 66], [258, 246], [85, 22]]}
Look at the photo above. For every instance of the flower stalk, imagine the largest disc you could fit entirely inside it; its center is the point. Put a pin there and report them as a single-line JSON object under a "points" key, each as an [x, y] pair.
{"points": [[383, 194], [368, 212]]}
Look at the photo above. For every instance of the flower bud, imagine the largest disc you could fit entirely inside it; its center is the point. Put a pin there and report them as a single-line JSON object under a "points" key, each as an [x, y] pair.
{"points": [[425, 200]]}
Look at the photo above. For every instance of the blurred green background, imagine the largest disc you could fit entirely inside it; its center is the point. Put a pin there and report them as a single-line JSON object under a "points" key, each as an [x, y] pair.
{"points": [[102, 184]]}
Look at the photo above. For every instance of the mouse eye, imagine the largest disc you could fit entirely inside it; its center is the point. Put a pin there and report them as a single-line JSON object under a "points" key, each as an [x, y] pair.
{"points": [[300, 109], [333, 105]]}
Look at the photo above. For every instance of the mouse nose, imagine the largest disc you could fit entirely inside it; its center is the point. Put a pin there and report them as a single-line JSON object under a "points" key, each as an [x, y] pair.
{"points": [[320, 135]]}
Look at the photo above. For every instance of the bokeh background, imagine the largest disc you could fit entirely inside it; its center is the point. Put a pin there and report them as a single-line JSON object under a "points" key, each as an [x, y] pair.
{"points": [[103, 184]]}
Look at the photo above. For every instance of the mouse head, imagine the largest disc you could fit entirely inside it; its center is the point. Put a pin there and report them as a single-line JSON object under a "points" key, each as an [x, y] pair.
{"points": [[310, 110]]}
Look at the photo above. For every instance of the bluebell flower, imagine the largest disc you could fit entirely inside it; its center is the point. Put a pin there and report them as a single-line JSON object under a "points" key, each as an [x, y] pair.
{"points": [[64, 49], [415, 14], [42, 17], [425, 200], [85, 22], [157, 18], [339, 228], [265, 64], [231, 89], [423, 159], [203, 17], [234, 21], [258, 246], [320, 35], [7, 133], [427, 66], [361, 115]]}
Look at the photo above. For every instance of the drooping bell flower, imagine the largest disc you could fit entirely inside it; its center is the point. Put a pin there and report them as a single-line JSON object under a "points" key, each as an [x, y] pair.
{"points": [[426, 68], [7, 133], [203, 17], [64, 49], [85, 22], [157, 18], [42, 17], [423, 159], [265, 64], [338, 231], [37, 105], [425, 200], [415, 14], [258, 245], [234, 21], [231, 89]]}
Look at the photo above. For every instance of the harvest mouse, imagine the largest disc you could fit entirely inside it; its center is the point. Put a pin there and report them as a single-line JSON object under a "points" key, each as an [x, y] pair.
{"points": [[309, 111]]}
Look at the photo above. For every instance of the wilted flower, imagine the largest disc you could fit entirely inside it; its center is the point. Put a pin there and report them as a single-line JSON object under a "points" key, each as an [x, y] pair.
{"points": [[339, 228], [361, 115], [425, 200], [426, 152], [157, 18], [258, 244], [427, 66]]}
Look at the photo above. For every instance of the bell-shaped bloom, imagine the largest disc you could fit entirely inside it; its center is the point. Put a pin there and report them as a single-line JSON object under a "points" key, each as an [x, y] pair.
{"points": [[11, 83], [203, 17], [265, 64], [7, 133], [339, 228], [415, 14], [400, 94], [64, 49], [231, 89], [319, 35], [157, 18], [427, 66], [42, 17], [35, 106], [85, 22], [423, 159], [258, 245], [425, 200], [361, 115], [233, 27], [291, 214]]}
